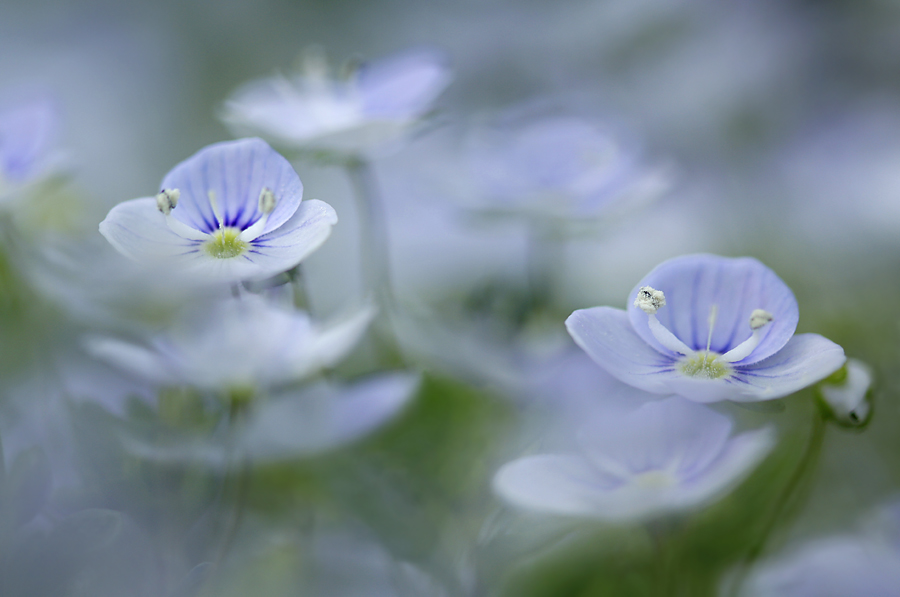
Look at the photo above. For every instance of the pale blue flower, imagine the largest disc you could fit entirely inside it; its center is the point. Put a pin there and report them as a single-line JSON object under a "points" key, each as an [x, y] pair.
{"points": [[312, 111], [847, 398], [559, 166], [27, 132], [707, 328], [667, 456], [230, 212], [244, 344], [839, 566]]}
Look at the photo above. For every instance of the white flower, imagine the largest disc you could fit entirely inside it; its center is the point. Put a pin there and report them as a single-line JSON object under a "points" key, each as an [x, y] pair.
{"points": [[237, 345], [230, 212], [375, 104], [666, 456]]}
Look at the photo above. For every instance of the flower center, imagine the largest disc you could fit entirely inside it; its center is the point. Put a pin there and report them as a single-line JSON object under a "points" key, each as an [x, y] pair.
{"points": [[704, 364], [225, 243]]}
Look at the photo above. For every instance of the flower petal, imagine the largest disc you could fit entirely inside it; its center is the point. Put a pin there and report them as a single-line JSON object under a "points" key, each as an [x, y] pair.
{"points": [[138, 230], [693, 284], [324, 417], [550, 483], [806, 359], [284, 248], [236, 172], [402, 86], [607, 336], [741, 455], [146, 364], [675, 435]]}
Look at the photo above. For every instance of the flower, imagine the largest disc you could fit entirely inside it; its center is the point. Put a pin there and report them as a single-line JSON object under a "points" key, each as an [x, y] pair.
{"points": [[838, 566], [559, 166], [27, 130], [707, 328], [311, 111], [230, 212], [846, 394], [240, 345], [666, 456]]}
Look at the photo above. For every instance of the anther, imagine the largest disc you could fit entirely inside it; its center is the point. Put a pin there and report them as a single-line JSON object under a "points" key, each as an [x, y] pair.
{"points": [[266, 205], [649, 300], [167, 199]]}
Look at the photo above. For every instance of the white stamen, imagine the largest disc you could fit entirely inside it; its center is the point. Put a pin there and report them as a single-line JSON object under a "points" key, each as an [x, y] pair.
{"points": [[267, 204], [167, 199], [214, 203], [649, 300], [713, 314], [759, 319]]}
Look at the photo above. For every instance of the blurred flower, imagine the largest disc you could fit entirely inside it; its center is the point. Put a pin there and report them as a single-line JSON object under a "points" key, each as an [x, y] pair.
{"points": [[230, 212], [846, 394], [728, 333], [559, 167], [666, 456], [311, 111], [238, 345], [27, 131], [290, 424], [835, 567]]}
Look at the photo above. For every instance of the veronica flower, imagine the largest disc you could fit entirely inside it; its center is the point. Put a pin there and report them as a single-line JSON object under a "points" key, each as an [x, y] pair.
{"points": [[707, 328], [559, 166], [313, 111], [666, 456], [26, 134], [230, 212], [239, 345]]}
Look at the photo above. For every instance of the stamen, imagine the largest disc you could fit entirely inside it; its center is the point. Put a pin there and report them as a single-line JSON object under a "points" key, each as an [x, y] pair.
{"points": [[649, 300], [214, 203], [166, 201], [759, 319], [266, 206]]}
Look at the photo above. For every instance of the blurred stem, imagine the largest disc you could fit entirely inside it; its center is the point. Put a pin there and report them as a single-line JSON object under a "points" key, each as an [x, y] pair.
{"points": [[298, 288], [237, 479], [662, 536], [790, 494], [375, 254], [544, 261]]}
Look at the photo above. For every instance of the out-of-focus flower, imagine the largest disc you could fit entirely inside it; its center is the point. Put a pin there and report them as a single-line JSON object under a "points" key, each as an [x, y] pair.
{"points": [[291, 424], [239, 345], [727, 333], [27, 131], [230, 212], [312, 111], [834, 567], [666, 456], [846, 394], [559, 167]]}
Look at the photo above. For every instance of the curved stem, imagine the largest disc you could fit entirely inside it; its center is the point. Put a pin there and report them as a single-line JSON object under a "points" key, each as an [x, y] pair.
{"points": [[789, 495]]}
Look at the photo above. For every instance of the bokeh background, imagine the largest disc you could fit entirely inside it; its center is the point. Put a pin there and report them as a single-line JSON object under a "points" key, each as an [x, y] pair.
{"points": [[778, 121]]}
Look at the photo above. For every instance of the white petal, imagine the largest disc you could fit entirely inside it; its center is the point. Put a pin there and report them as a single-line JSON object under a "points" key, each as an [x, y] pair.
{"points": [[138, 230]]}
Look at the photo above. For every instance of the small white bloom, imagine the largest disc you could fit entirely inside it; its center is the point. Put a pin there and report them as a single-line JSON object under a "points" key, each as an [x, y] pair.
{"points": [[666, 456], [238, 344], [311, 111], [231, 212]]}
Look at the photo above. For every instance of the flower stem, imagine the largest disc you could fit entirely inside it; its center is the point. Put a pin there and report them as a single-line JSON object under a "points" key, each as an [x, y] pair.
{"points": [[545, 258], [375, 256], [790, 494]]}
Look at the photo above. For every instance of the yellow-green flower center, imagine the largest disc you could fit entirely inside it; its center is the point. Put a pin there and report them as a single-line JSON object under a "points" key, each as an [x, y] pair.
{"points": [[705, 365], [654, 480], [225, 243]]}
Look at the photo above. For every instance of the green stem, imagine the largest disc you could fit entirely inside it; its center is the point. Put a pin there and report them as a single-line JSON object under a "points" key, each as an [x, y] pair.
{"points": [[544, 261], [789, 495], [238, 483]]}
